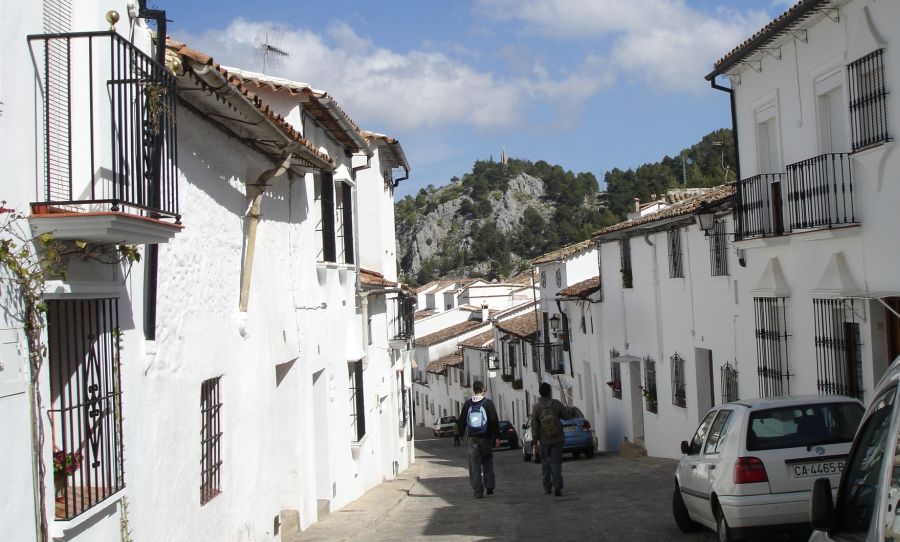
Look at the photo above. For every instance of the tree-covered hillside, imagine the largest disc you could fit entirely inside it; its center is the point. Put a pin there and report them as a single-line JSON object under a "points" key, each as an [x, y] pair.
{"points": [[499, 216]]}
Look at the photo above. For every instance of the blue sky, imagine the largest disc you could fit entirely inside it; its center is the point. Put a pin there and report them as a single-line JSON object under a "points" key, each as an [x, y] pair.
{"points": [[587, 84]]}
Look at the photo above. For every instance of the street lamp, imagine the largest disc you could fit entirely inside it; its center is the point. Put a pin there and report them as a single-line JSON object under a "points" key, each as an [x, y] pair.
{"points": [[706, 216], [554, 324]]}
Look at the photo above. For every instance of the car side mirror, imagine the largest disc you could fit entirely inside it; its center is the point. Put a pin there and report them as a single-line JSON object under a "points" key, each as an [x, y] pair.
{"points": [[685, 447], [821, 505], [524, 426]]}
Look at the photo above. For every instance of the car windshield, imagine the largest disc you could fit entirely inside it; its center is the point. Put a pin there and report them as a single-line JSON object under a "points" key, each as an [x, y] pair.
{"points": [[803, 425], [576, 413], [448, 419]]}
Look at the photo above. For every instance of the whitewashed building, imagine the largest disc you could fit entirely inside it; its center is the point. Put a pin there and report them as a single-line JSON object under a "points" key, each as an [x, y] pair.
{"points": [[816, 204], [251, 372]]}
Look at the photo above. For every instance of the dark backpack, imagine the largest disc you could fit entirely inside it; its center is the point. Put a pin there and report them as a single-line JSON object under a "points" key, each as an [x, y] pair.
{"points": [[551, 429], [477, 422]]}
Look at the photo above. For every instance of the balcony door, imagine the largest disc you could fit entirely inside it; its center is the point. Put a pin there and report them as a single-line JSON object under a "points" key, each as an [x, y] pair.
{"points": [[767, 141], [832, 115]]}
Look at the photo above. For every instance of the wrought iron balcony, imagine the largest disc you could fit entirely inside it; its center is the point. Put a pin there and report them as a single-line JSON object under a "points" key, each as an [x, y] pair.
{"points": [[820, 192], [553, 358], [109, 156], [815, 193], [403, 326]]}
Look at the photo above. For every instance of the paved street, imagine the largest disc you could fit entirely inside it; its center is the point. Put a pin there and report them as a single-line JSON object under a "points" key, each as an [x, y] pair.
{"points": [[605, 498]]}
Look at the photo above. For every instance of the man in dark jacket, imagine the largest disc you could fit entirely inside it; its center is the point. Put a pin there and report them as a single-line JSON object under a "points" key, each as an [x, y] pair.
{"points": [[478, 418], [546, 427]]}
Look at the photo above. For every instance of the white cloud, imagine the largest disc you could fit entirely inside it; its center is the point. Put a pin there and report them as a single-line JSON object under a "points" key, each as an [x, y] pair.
{"points": [[384, 89], [664, 42]]}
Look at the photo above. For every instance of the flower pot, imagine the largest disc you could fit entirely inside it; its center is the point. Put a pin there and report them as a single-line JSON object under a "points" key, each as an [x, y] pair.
{"points": [[59, 483]]}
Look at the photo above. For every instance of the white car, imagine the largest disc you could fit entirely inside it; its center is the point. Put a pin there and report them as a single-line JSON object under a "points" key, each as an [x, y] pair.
{"points": [[751, 464], [866, 504]]}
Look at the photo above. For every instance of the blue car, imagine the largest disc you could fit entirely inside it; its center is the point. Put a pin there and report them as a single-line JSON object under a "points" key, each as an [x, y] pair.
{"points": [[580, 437]]}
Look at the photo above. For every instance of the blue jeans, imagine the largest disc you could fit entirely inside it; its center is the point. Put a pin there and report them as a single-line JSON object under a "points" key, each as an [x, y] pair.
{"points": [[551, 465], [481, 464]]}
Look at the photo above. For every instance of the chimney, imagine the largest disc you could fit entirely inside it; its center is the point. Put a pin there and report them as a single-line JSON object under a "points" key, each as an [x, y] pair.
{"points": [[637, 204], [485, 313]]}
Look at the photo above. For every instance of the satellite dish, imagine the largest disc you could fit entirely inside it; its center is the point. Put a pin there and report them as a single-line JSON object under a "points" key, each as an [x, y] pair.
{"points": [[266, 49]]}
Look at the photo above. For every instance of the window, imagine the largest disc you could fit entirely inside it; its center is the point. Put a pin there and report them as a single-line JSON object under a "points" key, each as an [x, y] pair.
{"points": [[676, 267], [648, 390], [831, 114], [344, 214], [855, 507], [325, 227], [357, 403], [679, 394], [718, 250], [717, 433], [615, 383], [625, 261], [773, 365], [768, 148], [868, 104], [729, 379], [558, 278], [699, 437], [210, 440], [86, 402], [838, 349]]}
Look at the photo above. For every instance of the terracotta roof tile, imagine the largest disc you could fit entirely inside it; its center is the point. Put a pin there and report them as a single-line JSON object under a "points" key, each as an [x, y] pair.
{"points": [[397, 154], [309, 153], [424, 313], [796, 14], [439, 365], [563, 253], [480, 341], [523, 326], [718, 195], [449, 333], [582, 289], [372, 279]]}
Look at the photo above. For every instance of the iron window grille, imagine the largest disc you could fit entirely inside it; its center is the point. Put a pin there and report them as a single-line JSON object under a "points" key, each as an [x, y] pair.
{"points": [[108, 126], [554, 358], [773, 364], [820, 192], [210, 440], [86, 401], [728, 375], [493, 361], [615, 383], [868, 101], [838, 348], [625, 261], [404, 317], [679, 391], [676, 265], [347, 222], [357, 402], [718, 250], [651, 401], [401, 391], [326, 226]]}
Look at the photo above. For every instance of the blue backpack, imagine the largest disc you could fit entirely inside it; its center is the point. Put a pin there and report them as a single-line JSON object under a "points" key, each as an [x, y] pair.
{"points": [[478, 421]]}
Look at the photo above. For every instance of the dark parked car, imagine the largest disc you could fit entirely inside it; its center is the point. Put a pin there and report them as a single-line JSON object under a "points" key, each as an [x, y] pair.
{"points": [[508, 435]]}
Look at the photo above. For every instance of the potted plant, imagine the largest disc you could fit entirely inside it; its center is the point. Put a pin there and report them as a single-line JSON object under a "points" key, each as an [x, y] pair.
{"points": [[517, 384], [650, 398], [65, 464]]}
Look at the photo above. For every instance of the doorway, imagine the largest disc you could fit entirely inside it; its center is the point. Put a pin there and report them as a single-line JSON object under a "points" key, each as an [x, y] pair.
{"points": [[637, 403], [706, 394]]}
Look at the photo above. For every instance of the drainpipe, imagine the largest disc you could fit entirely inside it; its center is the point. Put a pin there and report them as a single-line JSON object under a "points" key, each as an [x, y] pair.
{"points": [[734, 125], [255, 193]]}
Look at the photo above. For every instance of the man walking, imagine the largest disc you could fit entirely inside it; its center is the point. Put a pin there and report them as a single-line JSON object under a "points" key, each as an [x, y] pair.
{"points": [[478, 418], [546, 427]]}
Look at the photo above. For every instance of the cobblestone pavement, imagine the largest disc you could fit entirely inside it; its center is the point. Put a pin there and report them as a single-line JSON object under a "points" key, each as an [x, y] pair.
{"points": [[605, 498]]}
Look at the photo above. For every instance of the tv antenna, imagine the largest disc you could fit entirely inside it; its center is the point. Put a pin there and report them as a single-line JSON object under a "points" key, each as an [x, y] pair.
{"points": [[267, 50]]}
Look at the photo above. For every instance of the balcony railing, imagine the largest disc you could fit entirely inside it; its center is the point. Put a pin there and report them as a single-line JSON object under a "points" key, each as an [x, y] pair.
{"points": [[403, 322], [757, 207], [553, 358], [108, 127], [820, 192], [814, 193]]}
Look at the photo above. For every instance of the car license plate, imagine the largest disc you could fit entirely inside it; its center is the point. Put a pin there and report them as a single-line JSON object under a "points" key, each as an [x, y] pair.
{"points": [[819, 468], [569, 428]]}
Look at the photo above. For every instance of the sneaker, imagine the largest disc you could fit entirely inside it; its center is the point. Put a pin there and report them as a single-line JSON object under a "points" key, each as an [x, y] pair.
{"points": [[479, 495], [547, 490], [557, 492], [490, 492]]}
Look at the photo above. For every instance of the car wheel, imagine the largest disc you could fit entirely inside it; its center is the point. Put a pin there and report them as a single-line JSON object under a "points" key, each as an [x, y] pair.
{"points": [[589, 454], [680, 512], [723, 531]]}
